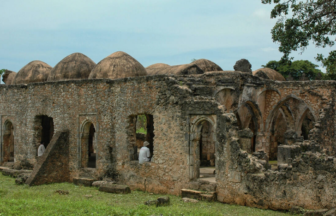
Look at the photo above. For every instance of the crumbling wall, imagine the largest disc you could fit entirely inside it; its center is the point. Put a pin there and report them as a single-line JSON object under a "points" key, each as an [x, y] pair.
{"points": [[308, 180]]}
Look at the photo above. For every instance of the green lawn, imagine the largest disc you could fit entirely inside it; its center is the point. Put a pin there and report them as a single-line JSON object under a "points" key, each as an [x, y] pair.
{"points": [[42, 200]]}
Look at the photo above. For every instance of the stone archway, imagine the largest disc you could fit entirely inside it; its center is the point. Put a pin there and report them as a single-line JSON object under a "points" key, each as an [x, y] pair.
{"points": [[8, 142], [202, 148], [88, 148]]}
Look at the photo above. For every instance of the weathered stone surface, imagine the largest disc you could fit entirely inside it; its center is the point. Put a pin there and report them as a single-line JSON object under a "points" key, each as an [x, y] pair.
{"points": [[15, 173], [331, 212], [115, 188], [53, 166], [194, 120], [243, 65], [83, 181], [98, 183]]}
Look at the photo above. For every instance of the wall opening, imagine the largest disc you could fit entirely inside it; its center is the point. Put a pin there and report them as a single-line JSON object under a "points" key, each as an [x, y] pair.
{"points": [[88, 146], [8, 142], [307, 124], [140, 129], [44, 130], [278, 130], [202, 152]]}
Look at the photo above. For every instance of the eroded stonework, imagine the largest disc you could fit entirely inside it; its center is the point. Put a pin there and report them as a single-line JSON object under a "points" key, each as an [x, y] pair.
{"points": [[233, 121]]}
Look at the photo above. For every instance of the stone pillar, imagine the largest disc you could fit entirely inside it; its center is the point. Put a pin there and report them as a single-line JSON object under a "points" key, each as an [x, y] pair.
{"points": [[245, 136], [290, 137]]}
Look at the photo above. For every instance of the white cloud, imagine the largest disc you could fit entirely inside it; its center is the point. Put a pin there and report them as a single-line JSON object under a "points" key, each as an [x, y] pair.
{"points": [[261, 13]]}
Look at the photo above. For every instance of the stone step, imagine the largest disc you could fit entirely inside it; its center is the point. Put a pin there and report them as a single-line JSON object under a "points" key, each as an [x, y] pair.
{"points": [[3, 168], [199, 195], [83, 181]]}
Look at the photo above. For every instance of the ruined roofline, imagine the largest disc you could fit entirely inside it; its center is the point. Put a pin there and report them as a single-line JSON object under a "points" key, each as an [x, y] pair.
{"points": [[247, 77]]}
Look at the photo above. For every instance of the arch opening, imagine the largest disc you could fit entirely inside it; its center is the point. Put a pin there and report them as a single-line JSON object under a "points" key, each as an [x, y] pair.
{"points": [[8, 142], [202, 152], [88, 146], [140, 129]]}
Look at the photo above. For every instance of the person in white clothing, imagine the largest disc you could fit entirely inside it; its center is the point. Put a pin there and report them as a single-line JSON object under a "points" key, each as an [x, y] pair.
{"points": [[144, 153], [40, 150]]}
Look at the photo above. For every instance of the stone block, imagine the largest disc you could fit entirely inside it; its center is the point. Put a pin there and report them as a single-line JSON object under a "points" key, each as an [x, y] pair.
{"points": [[83, 181], [193, 194], [114, 188]]}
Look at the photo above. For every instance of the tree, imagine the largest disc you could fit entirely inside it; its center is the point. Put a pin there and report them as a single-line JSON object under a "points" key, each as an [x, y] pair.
{"points": [[2, 71], [295, 69], [311, 20]]}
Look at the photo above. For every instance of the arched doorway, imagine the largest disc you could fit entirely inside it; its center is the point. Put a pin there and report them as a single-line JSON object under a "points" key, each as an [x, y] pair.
{"points": [[202, 151], [8, 142], [44, 130], [306, 123], [249, 116], [88, 147]]}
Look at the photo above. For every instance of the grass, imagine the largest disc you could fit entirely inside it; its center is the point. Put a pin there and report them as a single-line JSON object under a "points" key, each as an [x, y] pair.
{"points": [[42, 200], [275, 162]]}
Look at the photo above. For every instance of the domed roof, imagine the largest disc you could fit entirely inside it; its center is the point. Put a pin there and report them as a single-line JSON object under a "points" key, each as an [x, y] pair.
{"points": [[185, 69], [33, 72], [151, 70], [8, 77], [117, 65], [268, 73], [207, 65], [74, 66]]}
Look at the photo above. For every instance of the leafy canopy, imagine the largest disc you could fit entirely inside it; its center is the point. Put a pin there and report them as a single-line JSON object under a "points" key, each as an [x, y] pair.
{"points": [[310, 20], [295, 69], [2, 71]]}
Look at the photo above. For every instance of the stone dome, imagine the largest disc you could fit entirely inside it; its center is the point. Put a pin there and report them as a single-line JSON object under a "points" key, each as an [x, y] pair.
{"points": [[74, 66], [152, 69], [33, 72], [117, 65], [207, 65], [268, 73], [185, 69], [8, 77]]}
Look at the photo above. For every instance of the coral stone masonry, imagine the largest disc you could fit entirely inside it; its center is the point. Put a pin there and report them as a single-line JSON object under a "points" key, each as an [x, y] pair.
{"points": [[231, 122]]}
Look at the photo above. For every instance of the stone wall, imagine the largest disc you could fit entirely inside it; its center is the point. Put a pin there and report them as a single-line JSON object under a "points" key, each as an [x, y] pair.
{"points": [[180, 105]]}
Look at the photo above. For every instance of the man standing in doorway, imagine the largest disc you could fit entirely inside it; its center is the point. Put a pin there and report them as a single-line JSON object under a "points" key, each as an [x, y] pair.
{"points": [[144, 155], [40, 150]]}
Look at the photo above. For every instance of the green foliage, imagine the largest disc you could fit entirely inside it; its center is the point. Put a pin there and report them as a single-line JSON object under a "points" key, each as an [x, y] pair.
{"points": [[329, 63], [141, 124], [193, 59], [295, 68], [42, 200], [2, 71], [309, 21]]}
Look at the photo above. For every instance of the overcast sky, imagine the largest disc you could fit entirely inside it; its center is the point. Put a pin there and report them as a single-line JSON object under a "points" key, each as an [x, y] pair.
{"points": [[152, 31]]}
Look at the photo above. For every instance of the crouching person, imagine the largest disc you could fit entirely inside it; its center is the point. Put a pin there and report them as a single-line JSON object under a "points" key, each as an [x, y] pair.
{"points": [[144, 155]]}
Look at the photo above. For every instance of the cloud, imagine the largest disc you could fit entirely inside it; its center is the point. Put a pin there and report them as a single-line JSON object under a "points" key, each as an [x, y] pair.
{"points": [[261, 13]]}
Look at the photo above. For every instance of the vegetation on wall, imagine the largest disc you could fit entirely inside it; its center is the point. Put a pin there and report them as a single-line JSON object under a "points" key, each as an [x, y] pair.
{"points": [[302, 22], [296, 69]]}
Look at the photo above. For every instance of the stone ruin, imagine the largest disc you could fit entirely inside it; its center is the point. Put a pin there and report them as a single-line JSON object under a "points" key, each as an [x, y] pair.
{"points": [[270, 143]]}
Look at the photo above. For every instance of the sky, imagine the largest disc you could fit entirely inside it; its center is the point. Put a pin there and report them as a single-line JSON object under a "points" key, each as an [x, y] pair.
{"points": [[152, 31]]}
